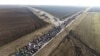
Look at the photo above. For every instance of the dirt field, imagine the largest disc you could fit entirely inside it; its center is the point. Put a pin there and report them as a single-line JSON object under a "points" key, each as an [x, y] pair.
{"points": [[16, 21], [22, 41]]}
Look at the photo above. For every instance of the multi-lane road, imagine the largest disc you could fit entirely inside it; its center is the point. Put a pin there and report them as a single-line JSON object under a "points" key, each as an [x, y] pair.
{"points": [[58, 23], [51, 19]]}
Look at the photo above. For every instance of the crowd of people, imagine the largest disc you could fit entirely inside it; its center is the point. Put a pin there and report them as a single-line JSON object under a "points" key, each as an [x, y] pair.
{"points": [[36, 44]]}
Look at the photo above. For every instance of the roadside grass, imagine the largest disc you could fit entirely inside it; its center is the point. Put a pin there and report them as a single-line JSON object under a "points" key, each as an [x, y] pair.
{"points": [[96, 26], [89, 30]]}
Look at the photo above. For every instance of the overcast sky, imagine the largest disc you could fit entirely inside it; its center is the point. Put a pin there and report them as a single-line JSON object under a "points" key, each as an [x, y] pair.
{"points": [[52, 2]]}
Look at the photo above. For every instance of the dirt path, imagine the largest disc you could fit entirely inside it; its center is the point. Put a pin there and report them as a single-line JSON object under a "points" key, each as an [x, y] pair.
{"points": [[50, 18]]}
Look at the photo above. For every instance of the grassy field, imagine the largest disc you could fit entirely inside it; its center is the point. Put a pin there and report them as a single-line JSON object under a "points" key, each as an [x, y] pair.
{"points": [[71, 46], [83, 40], [97, 30], [16, 21], [89, 30]]}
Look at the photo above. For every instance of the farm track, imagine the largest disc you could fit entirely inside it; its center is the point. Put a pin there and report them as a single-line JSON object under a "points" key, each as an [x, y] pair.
{"points": [[76, 39], [71, 45]]}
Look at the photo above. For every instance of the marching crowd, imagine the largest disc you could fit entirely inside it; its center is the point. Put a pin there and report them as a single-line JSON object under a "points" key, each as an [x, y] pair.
{"points": [[36, 44]]}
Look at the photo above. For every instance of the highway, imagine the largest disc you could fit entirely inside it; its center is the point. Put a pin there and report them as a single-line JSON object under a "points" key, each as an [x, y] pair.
{"points": [[51, 19], [63, 26]]}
